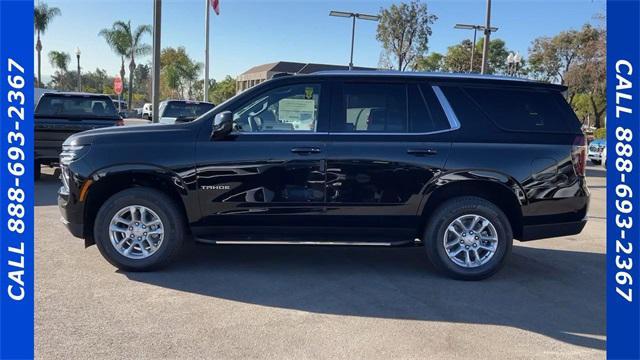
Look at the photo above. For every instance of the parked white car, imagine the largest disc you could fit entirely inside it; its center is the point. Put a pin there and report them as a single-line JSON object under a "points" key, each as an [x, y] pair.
{"points": [[147, 111], [595, 151]]}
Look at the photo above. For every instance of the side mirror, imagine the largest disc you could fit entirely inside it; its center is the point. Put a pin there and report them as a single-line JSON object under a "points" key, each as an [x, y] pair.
{"points": [[222, 125]]}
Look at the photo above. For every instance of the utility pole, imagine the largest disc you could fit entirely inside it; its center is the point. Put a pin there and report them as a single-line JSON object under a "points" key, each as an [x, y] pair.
{"points": [[157, 20], [206, 51], [487, 39]]}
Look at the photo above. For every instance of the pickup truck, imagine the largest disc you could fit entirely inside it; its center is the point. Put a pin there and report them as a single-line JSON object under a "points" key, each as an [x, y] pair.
{"points": [[60, 115]]}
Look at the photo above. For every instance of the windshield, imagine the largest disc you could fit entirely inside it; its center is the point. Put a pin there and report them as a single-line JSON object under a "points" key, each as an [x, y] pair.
{"points": [[177, 109], [76, 106]]}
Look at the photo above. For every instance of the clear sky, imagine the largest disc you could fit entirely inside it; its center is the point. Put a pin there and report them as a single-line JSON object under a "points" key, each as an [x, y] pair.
{"points": [[253, 32]]}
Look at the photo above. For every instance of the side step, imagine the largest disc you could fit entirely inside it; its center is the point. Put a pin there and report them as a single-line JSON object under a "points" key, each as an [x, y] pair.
{"points": [[320, 243]]}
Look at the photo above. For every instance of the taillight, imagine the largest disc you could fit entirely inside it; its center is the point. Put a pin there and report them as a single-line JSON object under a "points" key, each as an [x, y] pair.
{"points": [[579, 155], [119, 122]]}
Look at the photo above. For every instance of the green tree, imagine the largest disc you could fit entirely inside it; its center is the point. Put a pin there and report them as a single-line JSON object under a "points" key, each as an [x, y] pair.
{"points": [[60, 60], [458, 57], [179, 73], [42, 16], [404, 32], [127, 42], [222, 90], [432, 62]]}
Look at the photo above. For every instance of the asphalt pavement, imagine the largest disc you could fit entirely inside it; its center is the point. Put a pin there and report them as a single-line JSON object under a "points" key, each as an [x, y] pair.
{"points": [[293, 302]]}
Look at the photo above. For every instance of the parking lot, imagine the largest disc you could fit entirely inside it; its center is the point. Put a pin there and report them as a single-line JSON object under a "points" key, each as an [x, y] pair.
{"points": [[224, 302]]}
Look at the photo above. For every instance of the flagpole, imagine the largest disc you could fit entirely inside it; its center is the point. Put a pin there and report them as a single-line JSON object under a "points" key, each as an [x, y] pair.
{"points": [[206, 51]]}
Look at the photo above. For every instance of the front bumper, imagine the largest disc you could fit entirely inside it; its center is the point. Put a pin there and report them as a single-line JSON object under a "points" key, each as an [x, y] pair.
{"points": [[72, 213]]}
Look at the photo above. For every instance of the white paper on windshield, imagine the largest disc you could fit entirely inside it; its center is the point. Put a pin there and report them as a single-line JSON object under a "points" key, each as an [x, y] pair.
{"points": [[296, 111]]}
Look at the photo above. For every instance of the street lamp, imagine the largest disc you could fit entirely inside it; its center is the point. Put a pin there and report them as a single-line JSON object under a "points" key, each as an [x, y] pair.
{"points": [[475, 29], [79, 76], [353, 26], [513, 63]]}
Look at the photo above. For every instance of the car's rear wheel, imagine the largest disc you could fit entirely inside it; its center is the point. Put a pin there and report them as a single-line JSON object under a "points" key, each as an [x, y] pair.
{"points": [[139, 229], [468, 238]]}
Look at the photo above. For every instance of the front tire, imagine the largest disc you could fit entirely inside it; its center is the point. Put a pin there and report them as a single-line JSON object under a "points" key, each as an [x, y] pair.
{"points": [[468, 238], [139, 229]]}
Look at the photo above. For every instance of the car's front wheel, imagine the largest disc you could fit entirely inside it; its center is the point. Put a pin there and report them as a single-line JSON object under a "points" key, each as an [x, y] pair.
{"points": [[468, 238], [139, 229]]}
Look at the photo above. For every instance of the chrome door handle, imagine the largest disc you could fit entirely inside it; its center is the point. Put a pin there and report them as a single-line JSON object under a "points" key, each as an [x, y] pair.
{"points": [[422, 152], [306, 150]]}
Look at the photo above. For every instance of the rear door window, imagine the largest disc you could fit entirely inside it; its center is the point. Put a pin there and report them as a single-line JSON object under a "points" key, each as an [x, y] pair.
{"points": [[374, 108], [524, 110]]}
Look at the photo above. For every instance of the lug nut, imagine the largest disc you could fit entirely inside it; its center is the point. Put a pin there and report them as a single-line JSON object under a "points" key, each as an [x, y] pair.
{"points": [[137, 223], [139, 238], [145, 234], [464, 234], [477, 238], [130, 227], [461, 241], [466, 247], [475, 245]]}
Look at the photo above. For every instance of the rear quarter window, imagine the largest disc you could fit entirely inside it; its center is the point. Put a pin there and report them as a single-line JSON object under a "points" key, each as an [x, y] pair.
{"points": [[525, 110]]}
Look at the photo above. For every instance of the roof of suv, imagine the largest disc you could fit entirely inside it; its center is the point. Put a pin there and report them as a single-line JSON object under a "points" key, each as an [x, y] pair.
{"points": [[439, 76]]}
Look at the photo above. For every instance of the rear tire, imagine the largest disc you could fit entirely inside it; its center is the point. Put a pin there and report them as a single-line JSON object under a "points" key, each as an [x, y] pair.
{"points": [[150, 207], [468, 257], [596, 162]]}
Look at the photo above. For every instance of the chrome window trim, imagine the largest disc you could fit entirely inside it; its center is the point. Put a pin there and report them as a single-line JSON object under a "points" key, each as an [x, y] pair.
{"points": [[448, 110]]}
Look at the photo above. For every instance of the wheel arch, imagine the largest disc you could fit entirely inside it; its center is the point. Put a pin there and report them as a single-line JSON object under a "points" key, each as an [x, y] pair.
{"points": [[109, 181], [499, 189]]}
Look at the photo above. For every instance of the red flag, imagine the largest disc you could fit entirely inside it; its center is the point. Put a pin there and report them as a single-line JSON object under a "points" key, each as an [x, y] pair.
{"points": [[216, 6]]}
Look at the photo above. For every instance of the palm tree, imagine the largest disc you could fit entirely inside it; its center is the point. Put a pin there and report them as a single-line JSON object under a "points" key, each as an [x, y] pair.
{"points": [[127, 43], [59, 60], [42, 16]]}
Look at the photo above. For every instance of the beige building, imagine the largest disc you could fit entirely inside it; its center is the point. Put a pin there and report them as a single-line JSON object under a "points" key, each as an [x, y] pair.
{"points": [[261, 73]]}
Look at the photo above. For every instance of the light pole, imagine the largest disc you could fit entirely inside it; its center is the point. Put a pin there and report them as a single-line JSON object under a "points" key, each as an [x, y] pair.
{"points": [[79, 75], [155, 91], [475, 29], [487, 39], [353, 26]]}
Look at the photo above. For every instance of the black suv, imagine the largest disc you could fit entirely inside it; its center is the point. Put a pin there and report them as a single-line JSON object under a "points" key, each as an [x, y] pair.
{"points": [[461, 165]]}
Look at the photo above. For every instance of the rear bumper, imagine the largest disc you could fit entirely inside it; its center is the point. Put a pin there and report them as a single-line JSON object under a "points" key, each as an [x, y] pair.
{"points": [[535, 232]]}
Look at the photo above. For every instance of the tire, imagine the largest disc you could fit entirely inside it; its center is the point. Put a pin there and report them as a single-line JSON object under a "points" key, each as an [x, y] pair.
{"points": [[595, 162], [467, 209], [161, 206], [37, 172]]}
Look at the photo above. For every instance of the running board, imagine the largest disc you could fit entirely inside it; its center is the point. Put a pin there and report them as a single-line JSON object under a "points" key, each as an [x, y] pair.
{"points": [[321, 243]]}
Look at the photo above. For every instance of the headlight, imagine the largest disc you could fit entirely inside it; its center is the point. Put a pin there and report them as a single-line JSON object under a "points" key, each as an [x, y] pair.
{"points": [[72, 152]]}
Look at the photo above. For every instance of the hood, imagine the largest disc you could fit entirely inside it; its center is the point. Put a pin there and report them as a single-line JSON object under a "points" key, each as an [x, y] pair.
{"points": [[148, 133]]}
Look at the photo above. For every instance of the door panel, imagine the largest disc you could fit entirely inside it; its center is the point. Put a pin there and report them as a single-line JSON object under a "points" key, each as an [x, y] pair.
{"points": [[271, 170], [263, 182], [388, 140], [377, 183]]}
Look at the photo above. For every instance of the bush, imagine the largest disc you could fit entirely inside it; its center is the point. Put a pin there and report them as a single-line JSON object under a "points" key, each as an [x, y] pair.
{"points": [[600, 133]]}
